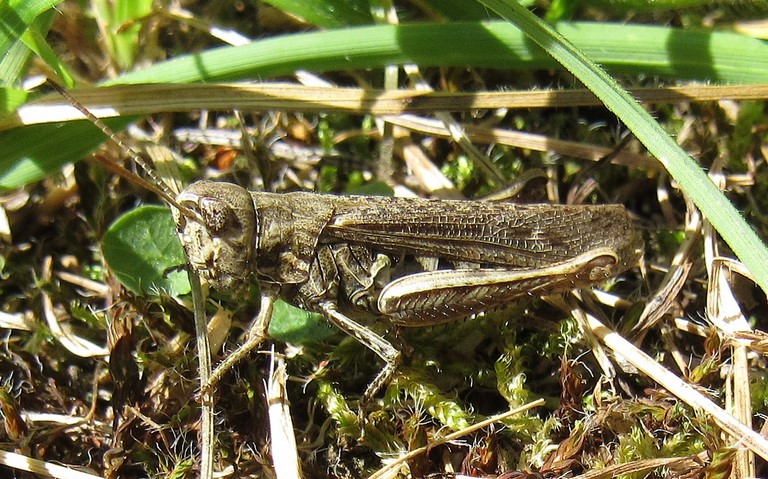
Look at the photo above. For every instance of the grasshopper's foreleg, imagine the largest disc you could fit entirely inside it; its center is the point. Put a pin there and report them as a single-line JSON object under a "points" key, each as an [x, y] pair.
{"points": [[371, 340], [257, 333]]}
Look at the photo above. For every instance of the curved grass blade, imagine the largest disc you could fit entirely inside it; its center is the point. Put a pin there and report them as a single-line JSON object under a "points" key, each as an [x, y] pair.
{"points": [[690, 176]]}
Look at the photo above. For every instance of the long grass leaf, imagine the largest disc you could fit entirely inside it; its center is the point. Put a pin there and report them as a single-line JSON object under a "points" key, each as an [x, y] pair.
{"points": [[649, 50], [691, 178]]}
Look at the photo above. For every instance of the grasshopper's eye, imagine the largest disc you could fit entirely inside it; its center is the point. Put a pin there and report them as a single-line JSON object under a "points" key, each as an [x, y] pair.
{"points": [[218, 215]]}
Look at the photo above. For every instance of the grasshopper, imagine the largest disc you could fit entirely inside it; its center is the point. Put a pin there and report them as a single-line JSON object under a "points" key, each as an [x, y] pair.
{"points": [[412, 262]]}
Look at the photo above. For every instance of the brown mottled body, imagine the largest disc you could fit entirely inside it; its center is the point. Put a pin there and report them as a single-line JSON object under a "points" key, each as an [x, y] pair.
{"points": [[414, 262]]}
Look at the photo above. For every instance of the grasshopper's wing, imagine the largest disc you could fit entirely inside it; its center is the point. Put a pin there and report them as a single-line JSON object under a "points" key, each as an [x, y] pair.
{"points": [[490, 233]]}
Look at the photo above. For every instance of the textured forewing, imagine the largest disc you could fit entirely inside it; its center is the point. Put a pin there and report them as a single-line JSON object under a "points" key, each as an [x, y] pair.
{"points": [[481, 232]]}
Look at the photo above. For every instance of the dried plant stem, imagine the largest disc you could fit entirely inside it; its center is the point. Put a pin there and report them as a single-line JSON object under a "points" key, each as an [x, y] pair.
{"points": [[204, 358], [679, 388]]}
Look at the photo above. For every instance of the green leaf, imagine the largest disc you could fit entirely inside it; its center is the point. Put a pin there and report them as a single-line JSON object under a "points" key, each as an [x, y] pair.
{"points": [[296, 326], [34, 40], [145, 254], [374, 188]]}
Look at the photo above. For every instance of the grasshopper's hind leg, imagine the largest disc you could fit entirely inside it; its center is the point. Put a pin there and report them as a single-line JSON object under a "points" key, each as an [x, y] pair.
{"points": [[371, 340]]}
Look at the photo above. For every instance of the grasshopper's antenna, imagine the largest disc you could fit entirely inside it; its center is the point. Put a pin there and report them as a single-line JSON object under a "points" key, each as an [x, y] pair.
{"points": [[158, 187]]}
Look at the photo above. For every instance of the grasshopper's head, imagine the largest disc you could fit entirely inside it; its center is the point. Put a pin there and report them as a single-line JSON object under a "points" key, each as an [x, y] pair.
{"points": [[219, 241]]}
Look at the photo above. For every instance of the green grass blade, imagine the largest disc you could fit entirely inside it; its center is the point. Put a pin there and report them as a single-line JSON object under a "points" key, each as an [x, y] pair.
{"points": [[714, 56], [10, 100], [456, 10], [637, 6], [327, 13], [20, 23], [692, 179], [39, 150], [34, 39], [122, 24], [16, 17]]}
